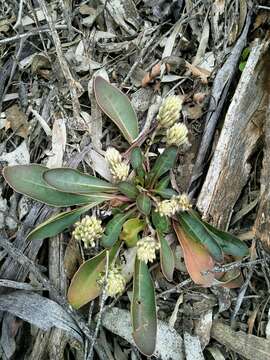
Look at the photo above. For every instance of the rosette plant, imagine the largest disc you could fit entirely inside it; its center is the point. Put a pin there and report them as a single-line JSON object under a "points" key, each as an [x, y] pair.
{"points": [[144, 207]]}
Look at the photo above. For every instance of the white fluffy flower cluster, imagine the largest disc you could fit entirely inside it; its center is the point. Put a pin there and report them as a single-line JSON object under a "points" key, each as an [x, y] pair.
{"points": [[175, 204], [169, 111], [118, 168], [177, 135], [88, 230], [146, 249], [116, 282]]}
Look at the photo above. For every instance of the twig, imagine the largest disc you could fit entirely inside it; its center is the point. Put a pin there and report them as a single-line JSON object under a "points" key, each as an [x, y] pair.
{"points": [[231, 266], [175, 289], [74, 86], [101, 308], [30, 33], [19, 17]]}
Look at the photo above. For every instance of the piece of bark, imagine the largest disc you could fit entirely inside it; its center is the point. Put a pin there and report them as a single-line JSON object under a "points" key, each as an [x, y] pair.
{"points": [[221, 86], [249, 346], [230, 169], [262, 224]]}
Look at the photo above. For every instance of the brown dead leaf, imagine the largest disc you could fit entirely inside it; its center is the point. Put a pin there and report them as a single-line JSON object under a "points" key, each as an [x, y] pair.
{"points": [[72, 258], [17, 121], [193, 112], [197, 71], [151, 75]]}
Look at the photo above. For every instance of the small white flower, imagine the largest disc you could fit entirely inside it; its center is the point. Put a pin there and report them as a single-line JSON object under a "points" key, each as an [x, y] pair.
{"points": [[167, 207], [177, 135], [146, 249], [113, 157], [169, 111], [118, 168], [88, 230], [183, 202], [116, 282], [120, 172]]}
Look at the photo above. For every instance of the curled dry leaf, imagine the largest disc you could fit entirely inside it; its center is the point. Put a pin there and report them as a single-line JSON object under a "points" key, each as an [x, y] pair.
{"points": [[197, 71], [17, 121]]}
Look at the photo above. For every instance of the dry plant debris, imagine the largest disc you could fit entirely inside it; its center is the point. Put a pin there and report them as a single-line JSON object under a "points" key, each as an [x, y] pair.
{"points": [[213, 55]]}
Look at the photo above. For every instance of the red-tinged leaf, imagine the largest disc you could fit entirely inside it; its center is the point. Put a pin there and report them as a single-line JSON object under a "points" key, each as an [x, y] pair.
{"points": [[197, 259], [84, 287]]}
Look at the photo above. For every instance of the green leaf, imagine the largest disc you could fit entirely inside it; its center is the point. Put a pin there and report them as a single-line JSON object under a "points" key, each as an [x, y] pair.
{"points": [[166, 257], [113, 229], [144, 204], [166, 193], [164, 163], [136, 158], [131, 229], [143, 309], [229, 243], [73, 181], [84, 287], [194, 229], [161, 223], [128, 189], [56, 224], [28, 180], [117, 107], [163, 183]]}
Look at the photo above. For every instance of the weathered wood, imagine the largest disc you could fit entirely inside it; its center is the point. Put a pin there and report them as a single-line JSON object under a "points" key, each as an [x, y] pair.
{"points": [[249, 346], [229, 169], [219, 94], [262, 224]]}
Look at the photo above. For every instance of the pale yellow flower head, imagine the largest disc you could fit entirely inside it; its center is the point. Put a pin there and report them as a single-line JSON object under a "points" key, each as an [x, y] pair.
{"points": [[167, 207], [113, 157], [169, 111], [177, 135], [183, 202], [88, 230], [118, 168], [116, 282], [146, 249]]}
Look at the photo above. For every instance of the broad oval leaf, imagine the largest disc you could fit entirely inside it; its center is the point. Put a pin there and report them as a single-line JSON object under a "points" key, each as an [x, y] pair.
{"points": [[166, 193], [58, 223], [194, 228], [197, 259], [128, 189], [167, 261], [144, 204], [117, 107], [28, 180], [161, 223], [113, 229], [84, 287], [131, 229], [143, 309], [73, 181], [136, 158], [163, 164], [229, 243]]}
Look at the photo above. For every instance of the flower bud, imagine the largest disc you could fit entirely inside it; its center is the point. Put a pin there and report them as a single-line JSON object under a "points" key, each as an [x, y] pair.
{"points": [[88, 230], [115, 281], [146, 249], [118, 168], [169, 111], [177, 135], [167, 207], [183, 202]]}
